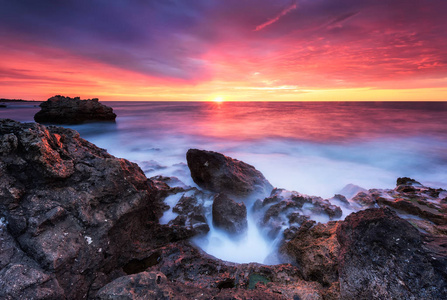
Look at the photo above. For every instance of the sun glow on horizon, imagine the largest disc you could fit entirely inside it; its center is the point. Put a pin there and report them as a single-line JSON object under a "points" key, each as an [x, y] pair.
{"points": [[219, 99]]}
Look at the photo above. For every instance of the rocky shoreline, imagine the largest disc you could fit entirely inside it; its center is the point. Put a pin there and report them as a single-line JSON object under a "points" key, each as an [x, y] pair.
{"points": [[79, 223]]}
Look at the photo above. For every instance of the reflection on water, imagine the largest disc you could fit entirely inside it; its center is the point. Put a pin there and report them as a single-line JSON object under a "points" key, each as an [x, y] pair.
{"points": [[312, 147]]}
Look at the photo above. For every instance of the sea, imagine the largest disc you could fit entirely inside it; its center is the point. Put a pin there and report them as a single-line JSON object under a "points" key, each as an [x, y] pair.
{"points": [[314, 148]]}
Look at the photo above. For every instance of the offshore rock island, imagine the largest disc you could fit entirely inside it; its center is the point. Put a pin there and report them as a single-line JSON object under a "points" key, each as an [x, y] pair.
{"points": [[66, 110], [79, 223]]}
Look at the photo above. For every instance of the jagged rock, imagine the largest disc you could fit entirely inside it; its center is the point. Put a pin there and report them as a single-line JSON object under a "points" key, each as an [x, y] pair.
{"points": [[342, 200], [191, 212], [20, 276], [229, 215], [407, 181], [66, 110], [383, 257], [221, 174], [141, 286], [76, 212], [364, 200], [215, 279], [315, 250], [415, 200], [285, 208]]}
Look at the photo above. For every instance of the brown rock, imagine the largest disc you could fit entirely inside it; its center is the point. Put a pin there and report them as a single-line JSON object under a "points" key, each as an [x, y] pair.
{"points": [[66, 110], [229, 215], [65, 203], [218, 173], [315, 250]]}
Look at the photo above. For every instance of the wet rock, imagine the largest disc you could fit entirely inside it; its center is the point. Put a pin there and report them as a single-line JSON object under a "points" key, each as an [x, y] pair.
{"points": [[229, 215], [363, 200], [342, 200], [413, 200], [145, 285], [285, 208], [76, 212], [189, 267], [218, 173], [382, 256], [406, 181], [66, 110], [351, 190], [191, 212], [315, 250]]}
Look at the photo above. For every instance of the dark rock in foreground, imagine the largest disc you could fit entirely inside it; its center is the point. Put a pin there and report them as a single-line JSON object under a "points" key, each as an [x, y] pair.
{"points": [[221, 174], [229, 215], [74, 213], [383, 257], [193, 274], [66, 110]]}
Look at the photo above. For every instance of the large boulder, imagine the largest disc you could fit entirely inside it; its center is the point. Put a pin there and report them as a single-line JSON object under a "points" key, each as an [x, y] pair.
{"points": [[384, 257], [72, 213], [221, 174], [229, 215], [66, 110]]}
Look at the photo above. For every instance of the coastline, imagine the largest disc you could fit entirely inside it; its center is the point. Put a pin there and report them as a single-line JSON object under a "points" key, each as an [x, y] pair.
{"points": [[105, 212]]}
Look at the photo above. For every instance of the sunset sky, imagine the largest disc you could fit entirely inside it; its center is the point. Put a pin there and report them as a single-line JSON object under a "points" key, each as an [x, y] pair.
{"points": [[233, 50]]}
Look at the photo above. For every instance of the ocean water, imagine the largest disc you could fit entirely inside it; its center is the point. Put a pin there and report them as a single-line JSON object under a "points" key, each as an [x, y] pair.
{"points": [[315, 148]]}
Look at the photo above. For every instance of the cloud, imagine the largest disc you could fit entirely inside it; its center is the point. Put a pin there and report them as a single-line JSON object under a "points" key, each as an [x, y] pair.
{"points": [[275, 19], [322, 44]]}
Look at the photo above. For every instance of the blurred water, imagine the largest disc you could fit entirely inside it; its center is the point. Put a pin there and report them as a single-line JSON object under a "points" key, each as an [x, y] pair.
{"points": [[313, 147]]}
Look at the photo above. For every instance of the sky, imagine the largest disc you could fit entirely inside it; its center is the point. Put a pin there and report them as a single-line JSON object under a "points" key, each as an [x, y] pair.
{"points": [[232, 50]]}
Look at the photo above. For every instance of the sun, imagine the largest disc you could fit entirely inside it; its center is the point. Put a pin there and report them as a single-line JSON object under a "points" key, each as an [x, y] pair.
{"points": [[219, 99]]}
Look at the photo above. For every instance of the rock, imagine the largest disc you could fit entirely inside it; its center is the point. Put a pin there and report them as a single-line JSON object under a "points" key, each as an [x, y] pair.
{"points": [[20, 276], [315, 250], [144, 285], [351, 190], [66, 110], [407, 181], [383, 257], [340, 199], [413, 200], [210, 278], [191, 212], [363, 200], [229, 215], [287, 208], [221, 174], [76, 213]]}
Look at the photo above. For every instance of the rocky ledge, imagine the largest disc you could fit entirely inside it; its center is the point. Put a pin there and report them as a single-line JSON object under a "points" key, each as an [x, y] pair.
{"points": [[66, 110], [78, 223]]}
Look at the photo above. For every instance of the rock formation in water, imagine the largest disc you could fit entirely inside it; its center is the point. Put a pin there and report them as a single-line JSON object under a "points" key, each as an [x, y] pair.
{"points": [[66, 110], [221, 174], [229, 215], [78, 223], [290, 209]]}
